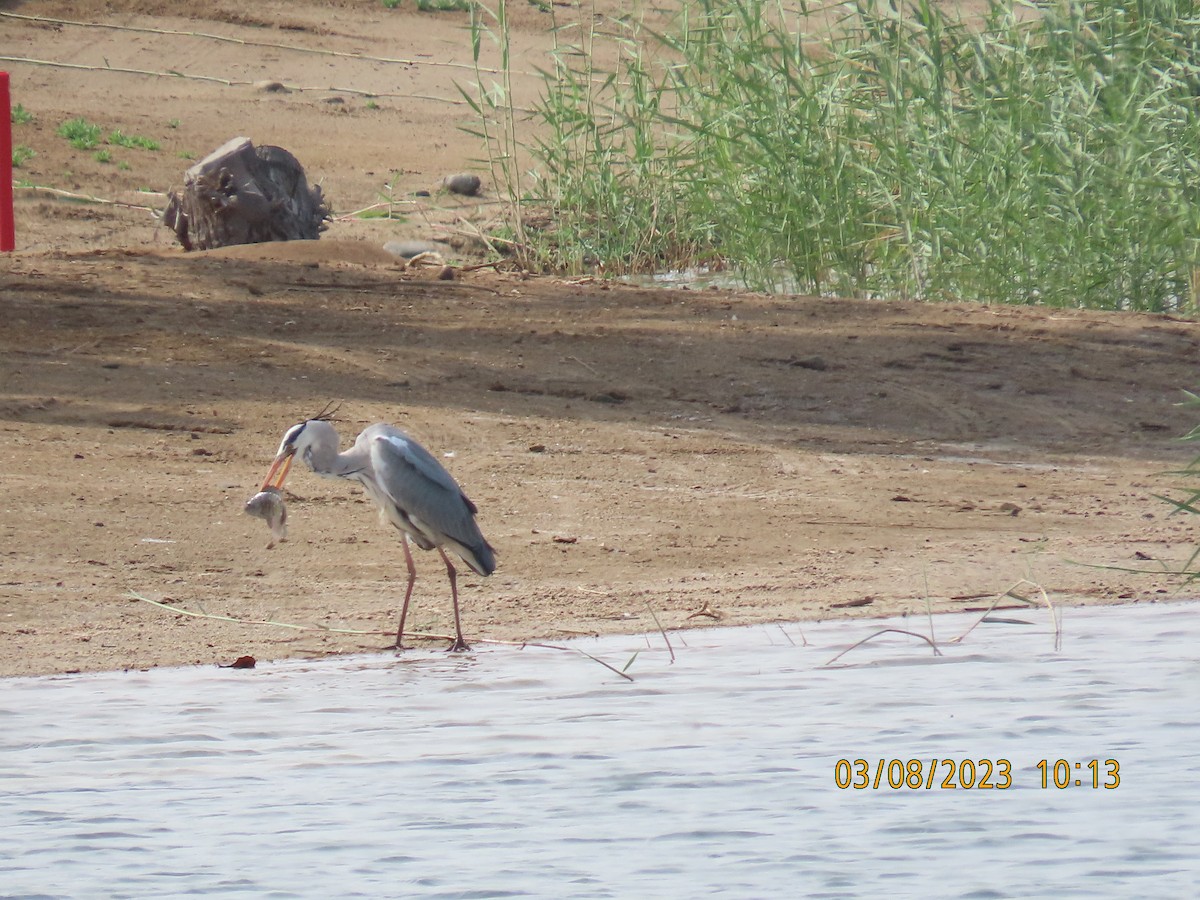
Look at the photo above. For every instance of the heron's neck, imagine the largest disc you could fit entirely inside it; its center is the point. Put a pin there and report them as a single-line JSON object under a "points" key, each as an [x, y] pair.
{"points": [[338, 465]]}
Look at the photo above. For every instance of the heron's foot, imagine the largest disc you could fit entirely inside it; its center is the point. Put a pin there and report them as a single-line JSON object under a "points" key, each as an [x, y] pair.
{"points": [[399, 644], [459, 646]]}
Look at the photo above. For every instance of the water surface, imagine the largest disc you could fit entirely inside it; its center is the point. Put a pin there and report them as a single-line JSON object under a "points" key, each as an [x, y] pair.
{"points": [[536, 773]]}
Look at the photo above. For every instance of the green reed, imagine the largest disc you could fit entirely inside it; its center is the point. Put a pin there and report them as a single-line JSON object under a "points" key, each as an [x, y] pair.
{"points": [[1046, 152]]}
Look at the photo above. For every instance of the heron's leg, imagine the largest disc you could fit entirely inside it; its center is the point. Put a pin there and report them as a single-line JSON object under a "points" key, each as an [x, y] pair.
{"points": [[412, 579], [459, 643]]}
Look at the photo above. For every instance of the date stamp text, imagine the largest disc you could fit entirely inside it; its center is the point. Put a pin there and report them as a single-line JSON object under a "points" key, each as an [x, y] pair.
{"points": [[971, 774]]}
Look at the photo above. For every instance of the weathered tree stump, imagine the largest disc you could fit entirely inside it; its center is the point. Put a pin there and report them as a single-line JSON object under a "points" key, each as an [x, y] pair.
{"points": [[240, 194]]}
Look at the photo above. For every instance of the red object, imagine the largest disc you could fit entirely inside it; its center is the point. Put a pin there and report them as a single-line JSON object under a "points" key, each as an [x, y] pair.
{"points": [[8, 239]]}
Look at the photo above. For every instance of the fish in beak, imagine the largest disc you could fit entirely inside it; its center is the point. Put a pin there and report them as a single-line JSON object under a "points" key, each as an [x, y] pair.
{"points": [[269, 505]]}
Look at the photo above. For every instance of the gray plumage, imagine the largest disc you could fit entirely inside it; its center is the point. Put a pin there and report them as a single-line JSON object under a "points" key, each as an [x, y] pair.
{"points": [[413, 491]]}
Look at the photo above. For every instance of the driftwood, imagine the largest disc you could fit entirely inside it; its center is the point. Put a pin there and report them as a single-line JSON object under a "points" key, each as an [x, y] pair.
{"points": [[242, 194]]}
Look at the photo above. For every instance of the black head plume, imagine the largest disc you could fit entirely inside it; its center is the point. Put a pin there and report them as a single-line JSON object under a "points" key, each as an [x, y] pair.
{"points": [[328, 412]]}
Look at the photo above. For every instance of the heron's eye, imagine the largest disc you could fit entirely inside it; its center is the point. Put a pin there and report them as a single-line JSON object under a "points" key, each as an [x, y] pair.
{"points": [[293, 434]]}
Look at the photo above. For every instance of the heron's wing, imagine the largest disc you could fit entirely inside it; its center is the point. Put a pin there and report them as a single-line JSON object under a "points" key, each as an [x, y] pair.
{"points": [[428, 496], [419, 485], [403, 450]]}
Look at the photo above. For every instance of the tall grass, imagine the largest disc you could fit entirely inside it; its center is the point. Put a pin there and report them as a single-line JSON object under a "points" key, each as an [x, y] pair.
{"points": [[1047, 152]]}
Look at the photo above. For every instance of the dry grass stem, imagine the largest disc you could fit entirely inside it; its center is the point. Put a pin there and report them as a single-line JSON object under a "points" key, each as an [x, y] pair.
{"points": [[1012, 594], [662, 631], [936, 651]]}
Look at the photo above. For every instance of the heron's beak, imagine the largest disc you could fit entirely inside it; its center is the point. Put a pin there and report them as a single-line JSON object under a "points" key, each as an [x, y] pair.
{"points": [[278, 472]]}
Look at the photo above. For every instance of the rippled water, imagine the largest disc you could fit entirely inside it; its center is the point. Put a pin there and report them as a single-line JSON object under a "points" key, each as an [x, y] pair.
{"points": [[536, 773]]}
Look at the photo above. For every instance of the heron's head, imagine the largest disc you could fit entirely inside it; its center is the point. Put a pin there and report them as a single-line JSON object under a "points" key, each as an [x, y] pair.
{"points": [[296, 440]]}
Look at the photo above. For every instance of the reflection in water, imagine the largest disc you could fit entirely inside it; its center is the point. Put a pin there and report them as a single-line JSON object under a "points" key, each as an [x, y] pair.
{"points": [[533, 773]]}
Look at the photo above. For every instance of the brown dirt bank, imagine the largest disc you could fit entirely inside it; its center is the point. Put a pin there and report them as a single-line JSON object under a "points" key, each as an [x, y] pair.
{"points": [[758, 458], [765, 458]]}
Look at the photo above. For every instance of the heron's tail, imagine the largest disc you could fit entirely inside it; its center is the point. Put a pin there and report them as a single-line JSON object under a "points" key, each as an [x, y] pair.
{"points": [[481, 558]]}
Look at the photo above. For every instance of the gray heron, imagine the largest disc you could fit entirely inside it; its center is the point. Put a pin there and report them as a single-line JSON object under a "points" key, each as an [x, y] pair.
{"points": [[413, 491]]}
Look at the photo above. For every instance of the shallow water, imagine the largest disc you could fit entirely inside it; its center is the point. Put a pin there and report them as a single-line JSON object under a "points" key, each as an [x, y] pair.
{"points": [[539, 773]]}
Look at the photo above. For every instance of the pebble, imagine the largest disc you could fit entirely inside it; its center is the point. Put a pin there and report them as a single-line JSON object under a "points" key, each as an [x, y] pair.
{"points": [[463, 183]]}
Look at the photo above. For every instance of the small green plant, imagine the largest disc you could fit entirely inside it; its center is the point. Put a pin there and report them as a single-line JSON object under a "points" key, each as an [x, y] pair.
{"points": [[80, 133], [20, 115], [186, 154], [1188, 481], [371, 104], [388, 196], [103, 156], [124, 166], [132, 141], [21, 155], [391, 4], [378, 213], [173, 123]]}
